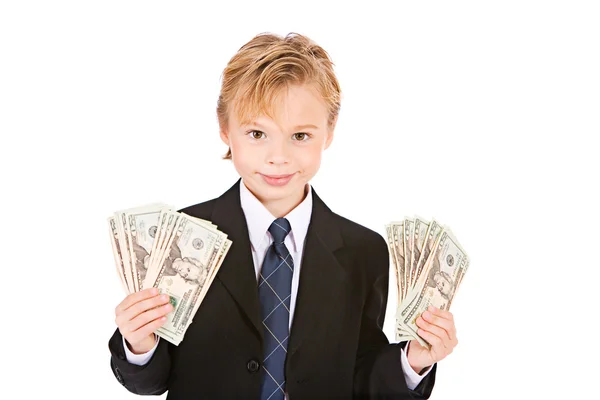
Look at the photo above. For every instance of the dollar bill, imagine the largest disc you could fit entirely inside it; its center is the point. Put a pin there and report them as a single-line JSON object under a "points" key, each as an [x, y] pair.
{"points": [[167, 231], [114, 241], [398, 240], [438, 283], [420, 234], [155, 246], [395, 233], [409, 229], [143, 226], [430, 246], [124, 243], [121, 222], [188, 265], [159, 237], [433, 232], [392, 251]]}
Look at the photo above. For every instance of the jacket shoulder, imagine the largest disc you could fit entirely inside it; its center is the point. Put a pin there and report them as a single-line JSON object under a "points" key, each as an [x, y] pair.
{"points": [[201, 210], [360, 237]]}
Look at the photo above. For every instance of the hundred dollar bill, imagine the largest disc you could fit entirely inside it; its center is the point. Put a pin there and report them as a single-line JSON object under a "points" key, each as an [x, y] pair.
{"points": [[437, 286], [192, 253]]}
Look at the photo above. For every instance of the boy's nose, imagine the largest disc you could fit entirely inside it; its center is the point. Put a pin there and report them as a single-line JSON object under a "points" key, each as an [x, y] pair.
{"points": [[278, 154]]}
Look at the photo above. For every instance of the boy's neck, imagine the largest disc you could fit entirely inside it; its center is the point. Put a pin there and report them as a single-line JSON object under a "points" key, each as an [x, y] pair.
{"points": [[281, 208]]}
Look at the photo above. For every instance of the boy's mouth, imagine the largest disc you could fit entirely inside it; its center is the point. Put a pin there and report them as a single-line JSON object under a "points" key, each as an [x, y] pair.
{"points": [[277, 180]]}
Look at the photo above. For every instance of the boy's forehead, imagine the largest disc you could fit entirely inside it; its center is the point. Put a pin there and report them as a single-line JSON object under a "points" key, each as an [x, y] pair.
{"points": [[291, 108], [264, 122], [257, 123], [296, 119]]}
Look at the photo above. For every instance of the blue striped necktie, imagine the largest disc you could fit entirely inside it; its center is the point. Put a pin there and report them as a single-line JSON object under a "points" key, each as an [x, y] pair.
{"points": [[274, 290]]}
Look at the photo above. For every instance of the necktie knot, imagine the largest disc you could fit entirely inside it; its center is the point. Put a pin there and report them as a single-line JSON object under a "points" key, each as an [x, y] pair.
{"points": [[279, 229]]}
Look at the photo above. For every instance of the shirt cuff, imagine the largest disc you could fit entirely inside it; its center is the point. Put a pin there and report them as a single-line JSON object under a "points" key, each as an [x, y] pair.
{"points": [[412, 378], [139, 359]]}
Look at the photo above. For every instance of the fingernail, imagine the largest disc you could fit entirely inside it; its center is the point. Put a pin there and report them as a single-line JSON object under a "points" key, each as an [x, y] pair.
{"points": [[164, 297], [154, 291], [427, 314], [431, 308]]}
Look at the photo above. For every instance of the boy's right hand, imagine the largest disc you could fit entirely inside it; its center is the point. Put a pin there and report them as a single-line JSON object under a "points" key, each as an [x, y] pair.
{"points": [[139, 315]]}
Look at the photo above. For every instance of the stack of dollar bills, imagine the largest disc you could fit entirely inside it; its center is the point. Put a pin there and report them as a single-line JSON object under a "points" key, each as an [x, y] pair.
{"points": [[430, 265], [155, 246]]}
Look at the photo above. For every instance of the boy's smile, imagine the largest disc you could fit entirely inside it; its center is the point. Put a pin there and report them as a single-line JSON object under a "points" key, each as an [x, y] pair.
{"points": [[277, 158], [277, 180]]}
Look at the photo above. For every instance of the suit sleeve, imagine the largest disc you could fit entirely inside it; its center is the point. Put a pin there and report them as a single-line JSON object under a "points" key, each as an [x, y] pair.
{"points": [[378, 370], [148, 379]]}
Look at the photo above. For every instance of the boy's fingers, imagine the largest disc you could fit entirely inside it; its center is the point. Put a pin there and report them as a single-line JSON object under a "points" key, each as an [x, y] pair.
{"points": [[143, 306], [146, 330], [135, 298], [446, 324], [150, 315], [432, 339], [442, 313], [436, 330]]}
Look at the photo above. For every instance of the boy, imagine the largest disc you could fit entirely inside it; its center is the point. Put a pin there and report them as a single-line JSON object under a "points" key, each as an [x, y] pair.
{"points": [[297, 307]]}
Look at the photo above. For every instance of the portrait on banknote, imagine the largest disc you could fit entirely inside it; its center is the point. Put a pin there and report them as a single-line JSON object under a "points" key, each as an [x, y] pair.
{"points": [[441, 281], [189, 269]]}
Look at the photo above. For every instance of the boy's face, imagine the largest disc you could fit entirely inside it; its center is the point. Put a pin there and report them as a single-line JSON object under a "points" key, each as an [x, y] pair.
{"points": [[277, 158]]}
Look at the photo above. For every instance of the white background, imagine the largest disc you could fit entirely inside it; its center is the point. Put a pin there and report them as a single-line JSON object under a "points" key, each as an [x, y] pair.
{"points": [[484, 115]]}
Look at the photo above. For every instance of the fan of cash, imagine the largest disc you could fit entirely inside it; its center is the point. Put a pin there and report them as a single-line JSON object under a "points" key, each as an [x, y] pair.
{"points": [[155, 246], [430, 265]]}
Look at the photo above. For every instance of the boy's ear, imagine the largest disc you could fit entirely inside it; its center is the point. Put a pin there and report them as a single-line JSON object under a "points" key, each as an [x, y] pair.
{"points": [[329, 139], [330, 132], [224, 136]]}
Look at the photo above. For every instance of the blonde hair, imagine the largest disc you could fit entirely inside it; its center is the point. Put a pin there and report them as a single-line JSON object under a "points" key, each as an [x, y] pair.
{"points": [[267, 65]]}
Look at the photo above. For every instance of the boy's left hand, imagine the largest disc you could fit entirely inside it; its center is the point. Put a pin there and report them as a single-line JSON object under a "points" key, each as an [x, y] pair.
{"points": [[437, 328]]}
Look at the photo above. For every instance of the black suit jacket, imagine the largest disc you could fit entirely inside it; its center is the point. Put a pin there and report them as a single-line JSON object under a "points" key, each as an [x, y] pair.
{"points": [[336, 350]]}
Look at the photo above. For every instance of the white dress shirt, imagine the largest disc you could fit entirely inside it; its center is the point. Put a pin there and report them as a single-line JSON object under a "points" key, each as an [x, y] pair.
{"points": [[258, 220]]}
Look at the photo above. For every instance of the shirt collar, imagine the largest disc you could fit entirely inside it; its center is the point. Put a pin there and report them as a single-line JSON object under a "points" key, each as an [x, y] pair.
{"points": [[258, 218]]}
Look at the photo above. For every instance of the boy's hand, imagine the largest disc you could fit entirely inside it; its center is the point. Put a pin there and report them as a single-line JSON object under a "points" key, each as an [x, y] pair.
{"points": [[437, 328], [139, 315]]}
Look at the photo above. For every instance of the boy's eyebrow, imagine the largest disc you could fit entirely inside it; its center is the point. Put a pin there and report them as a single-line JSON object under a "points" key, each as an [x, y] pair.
{"points": [[296, 127]]}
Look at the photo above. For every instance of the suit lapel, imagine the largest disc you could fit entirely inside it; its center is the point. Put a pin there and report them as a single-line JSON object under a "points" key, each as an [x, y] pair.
{"points": [[237, 272], [321, 275]]}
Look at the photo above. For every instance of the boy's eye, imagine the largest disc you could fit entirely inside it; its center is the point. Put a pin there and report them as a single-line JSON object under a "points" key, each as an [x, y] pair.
{"points": [[256, 134], [301, 136]]}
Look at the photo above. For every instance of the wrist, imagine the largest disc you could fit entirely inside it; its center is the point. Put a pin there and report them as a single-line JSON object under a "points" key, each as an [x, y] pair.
{"points": [[144, 346], [417, 365]]}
